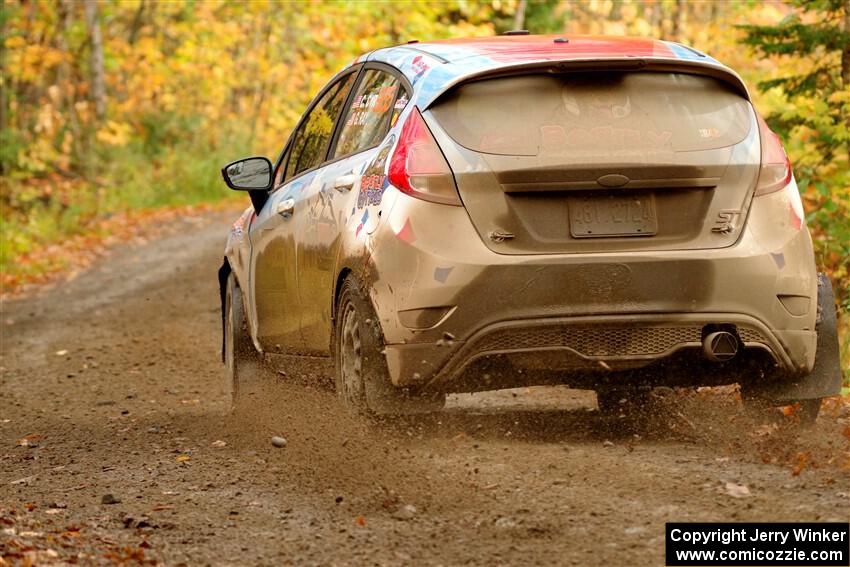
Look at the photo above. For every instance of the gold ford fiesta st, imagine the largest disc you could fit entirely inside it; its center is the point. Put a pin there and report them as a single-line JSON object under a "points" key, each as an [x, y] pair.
{"points": [[477, 214]]}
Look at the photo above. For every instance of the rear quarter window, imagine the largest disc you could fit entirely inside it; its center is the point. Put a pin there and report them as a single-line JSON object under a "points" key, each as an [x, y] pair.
{"points": [[371, 114], [594, 116]]}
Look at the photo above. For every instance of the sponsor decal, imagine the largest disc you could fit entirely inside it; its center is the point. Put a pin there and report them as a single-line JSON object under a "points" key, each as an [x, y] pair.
{"points": [[406, 233], [419, 68], [363, 220], [374, 181], [385, 98], [442, 274], [554, 138], [398, 108], [379, 103], [238, 227]]}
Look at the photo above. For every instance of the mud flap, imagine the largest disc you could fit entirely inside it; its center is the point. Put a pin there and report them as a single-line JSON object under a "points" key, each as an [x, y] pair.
{"points": [[223, 273], [825, 378]]}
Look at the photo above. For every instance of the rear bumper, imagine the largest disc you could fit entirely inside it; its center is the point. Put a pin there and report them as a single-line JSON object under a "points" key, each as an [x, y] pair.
{"points": [[587, 350], [585, 311]]}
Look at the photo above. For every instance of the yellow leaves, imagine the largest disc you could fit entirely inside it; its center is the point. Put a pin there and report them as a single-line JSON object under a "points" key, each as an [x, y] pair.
{"points": [[114, 133], [37, 157], [15, 41], [840, 97], [30, 62]]}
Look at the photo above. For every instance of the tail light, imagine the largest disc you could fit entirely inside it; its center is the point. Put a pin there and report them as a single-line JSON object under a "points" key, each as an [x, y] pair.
{"points": [[775, 172], [418, 166]]}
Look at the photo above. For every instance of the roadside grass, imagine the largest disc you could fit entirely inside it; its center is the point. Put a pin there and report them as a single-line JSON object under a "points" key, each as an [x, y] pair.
{"points": [[41, 213], [844, 344]]}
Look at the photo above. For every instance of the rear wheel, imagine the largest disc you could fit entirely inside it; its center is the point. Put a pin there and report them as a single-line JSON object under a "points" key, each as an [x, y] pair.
{"points": [[241, 359], [825, 368], [350, 385], [362, 379]]}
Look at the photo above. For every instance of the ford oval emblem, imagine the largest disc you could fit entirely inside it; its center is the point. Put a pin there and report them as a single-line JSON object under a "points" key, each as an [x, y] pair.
{"points": [[613, 180]]}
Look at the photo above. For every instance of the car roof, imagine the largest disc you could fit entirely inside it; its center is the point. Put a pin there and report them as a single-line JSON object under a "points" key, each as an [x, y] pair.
{"points": [[521, 48], [433, 67]]}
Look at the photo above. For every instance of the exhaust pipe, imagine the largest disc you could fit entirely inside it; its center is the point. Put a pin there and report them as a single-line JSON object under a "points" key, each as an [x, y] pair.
{"points": [[720, 346]]}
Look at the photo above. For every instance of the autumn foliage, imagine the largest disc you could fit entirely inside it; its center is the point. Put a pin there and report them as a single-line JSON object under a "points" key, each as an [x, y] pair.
{"points": [[113, 106]]}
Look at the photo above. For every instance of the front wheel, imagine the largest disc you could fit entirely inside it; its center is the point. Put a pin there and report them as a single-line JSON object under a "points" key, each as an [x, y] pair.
{"points": [[241, 359], [362, 379]]}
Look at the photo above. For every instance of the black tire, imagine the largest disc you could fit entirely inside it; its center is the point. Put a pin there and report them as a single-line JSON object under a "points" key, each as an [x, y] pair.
{"points": [[825, 371], [361, 376], [241, 359]]}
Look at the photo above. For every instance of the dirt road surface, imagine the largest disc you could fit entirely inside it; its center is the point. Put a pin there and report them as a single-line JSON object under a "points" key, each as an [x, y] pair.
{"points": [[118, 446]]}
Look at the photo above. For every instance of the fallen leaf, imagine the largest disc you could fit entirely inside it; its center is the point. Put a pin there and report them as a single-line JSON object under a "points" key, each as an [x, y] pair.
{"points": [[788, 411], [765, 430], [803, 458], [182, 458], [218, 443], [29, 440], [360, 521]]}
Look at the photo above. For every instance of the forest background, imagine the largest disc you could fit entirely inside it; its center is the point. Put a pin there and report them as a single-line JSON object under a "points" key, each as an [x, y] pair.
{"points": [[111, 110]]}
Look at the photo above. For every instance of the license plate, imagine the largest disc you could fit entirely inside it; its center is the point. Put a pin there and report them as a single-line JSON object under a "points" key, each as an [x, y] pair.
{"points": [[612, 215]]}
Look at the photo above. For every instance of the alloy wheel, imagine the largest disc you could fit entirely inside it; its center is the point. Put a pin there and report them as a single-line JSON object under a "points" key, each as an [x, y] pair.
{"points": [[351, 358]]}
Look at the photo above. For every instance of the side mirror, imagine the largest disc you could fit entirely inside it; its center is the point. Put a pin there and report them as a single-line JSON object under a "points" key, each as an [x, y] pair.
{"points": [[248, 174]]}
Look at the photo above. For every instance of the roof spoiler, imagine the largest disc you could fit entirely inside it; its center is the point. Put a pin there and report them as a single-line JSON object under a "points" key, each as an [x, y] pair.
{"points": [[635, 64]]}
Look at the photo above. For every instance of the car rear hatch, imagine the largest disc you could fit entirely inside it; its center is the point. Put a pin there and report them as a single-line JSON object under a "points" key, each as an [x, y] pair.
{"points": [[590, 161]]}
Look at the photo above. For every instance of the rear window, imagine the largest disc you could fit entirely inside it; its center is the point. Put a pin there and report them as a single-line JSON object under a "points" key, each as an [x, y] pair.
{"points": [[583, 116]]}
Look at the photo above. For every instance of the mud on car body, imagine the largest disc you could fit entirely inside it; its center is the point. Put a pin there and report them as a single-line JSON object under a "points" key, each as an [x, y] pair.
{"points": [[474, 214]]}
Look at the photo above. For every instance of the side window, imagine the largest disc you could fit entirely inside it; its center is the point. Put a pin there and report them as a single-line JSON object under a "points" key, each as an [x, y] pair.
{"points": [[311, 141], [371, 113]]}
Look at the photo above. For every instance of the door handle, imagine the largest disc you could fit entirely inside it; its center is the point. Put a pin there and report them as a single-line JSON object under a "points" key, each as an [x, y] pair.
{"points": [[285, 208], [345, 182]]}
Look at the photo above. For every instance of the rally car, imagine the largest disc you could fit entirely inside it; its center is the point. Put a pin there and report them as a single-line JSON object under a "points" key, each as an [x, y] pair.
{"points": [[477, 214]]}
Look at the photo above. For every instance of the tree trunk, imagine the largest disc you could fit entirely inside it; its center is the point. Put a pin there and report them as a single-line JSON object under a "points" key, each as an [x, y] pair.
{"points": [[845, 54], [845, 65], [678, 12], [616, 14], [138, 20], [4, 97], [519, 15], [96, 58], [656, 18], [66, 83]]}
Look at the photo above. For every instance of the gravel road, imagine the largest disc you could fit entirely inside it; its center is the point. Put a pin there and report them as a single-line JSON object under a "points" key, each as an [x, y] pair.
{"points": [[117, 445]]}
